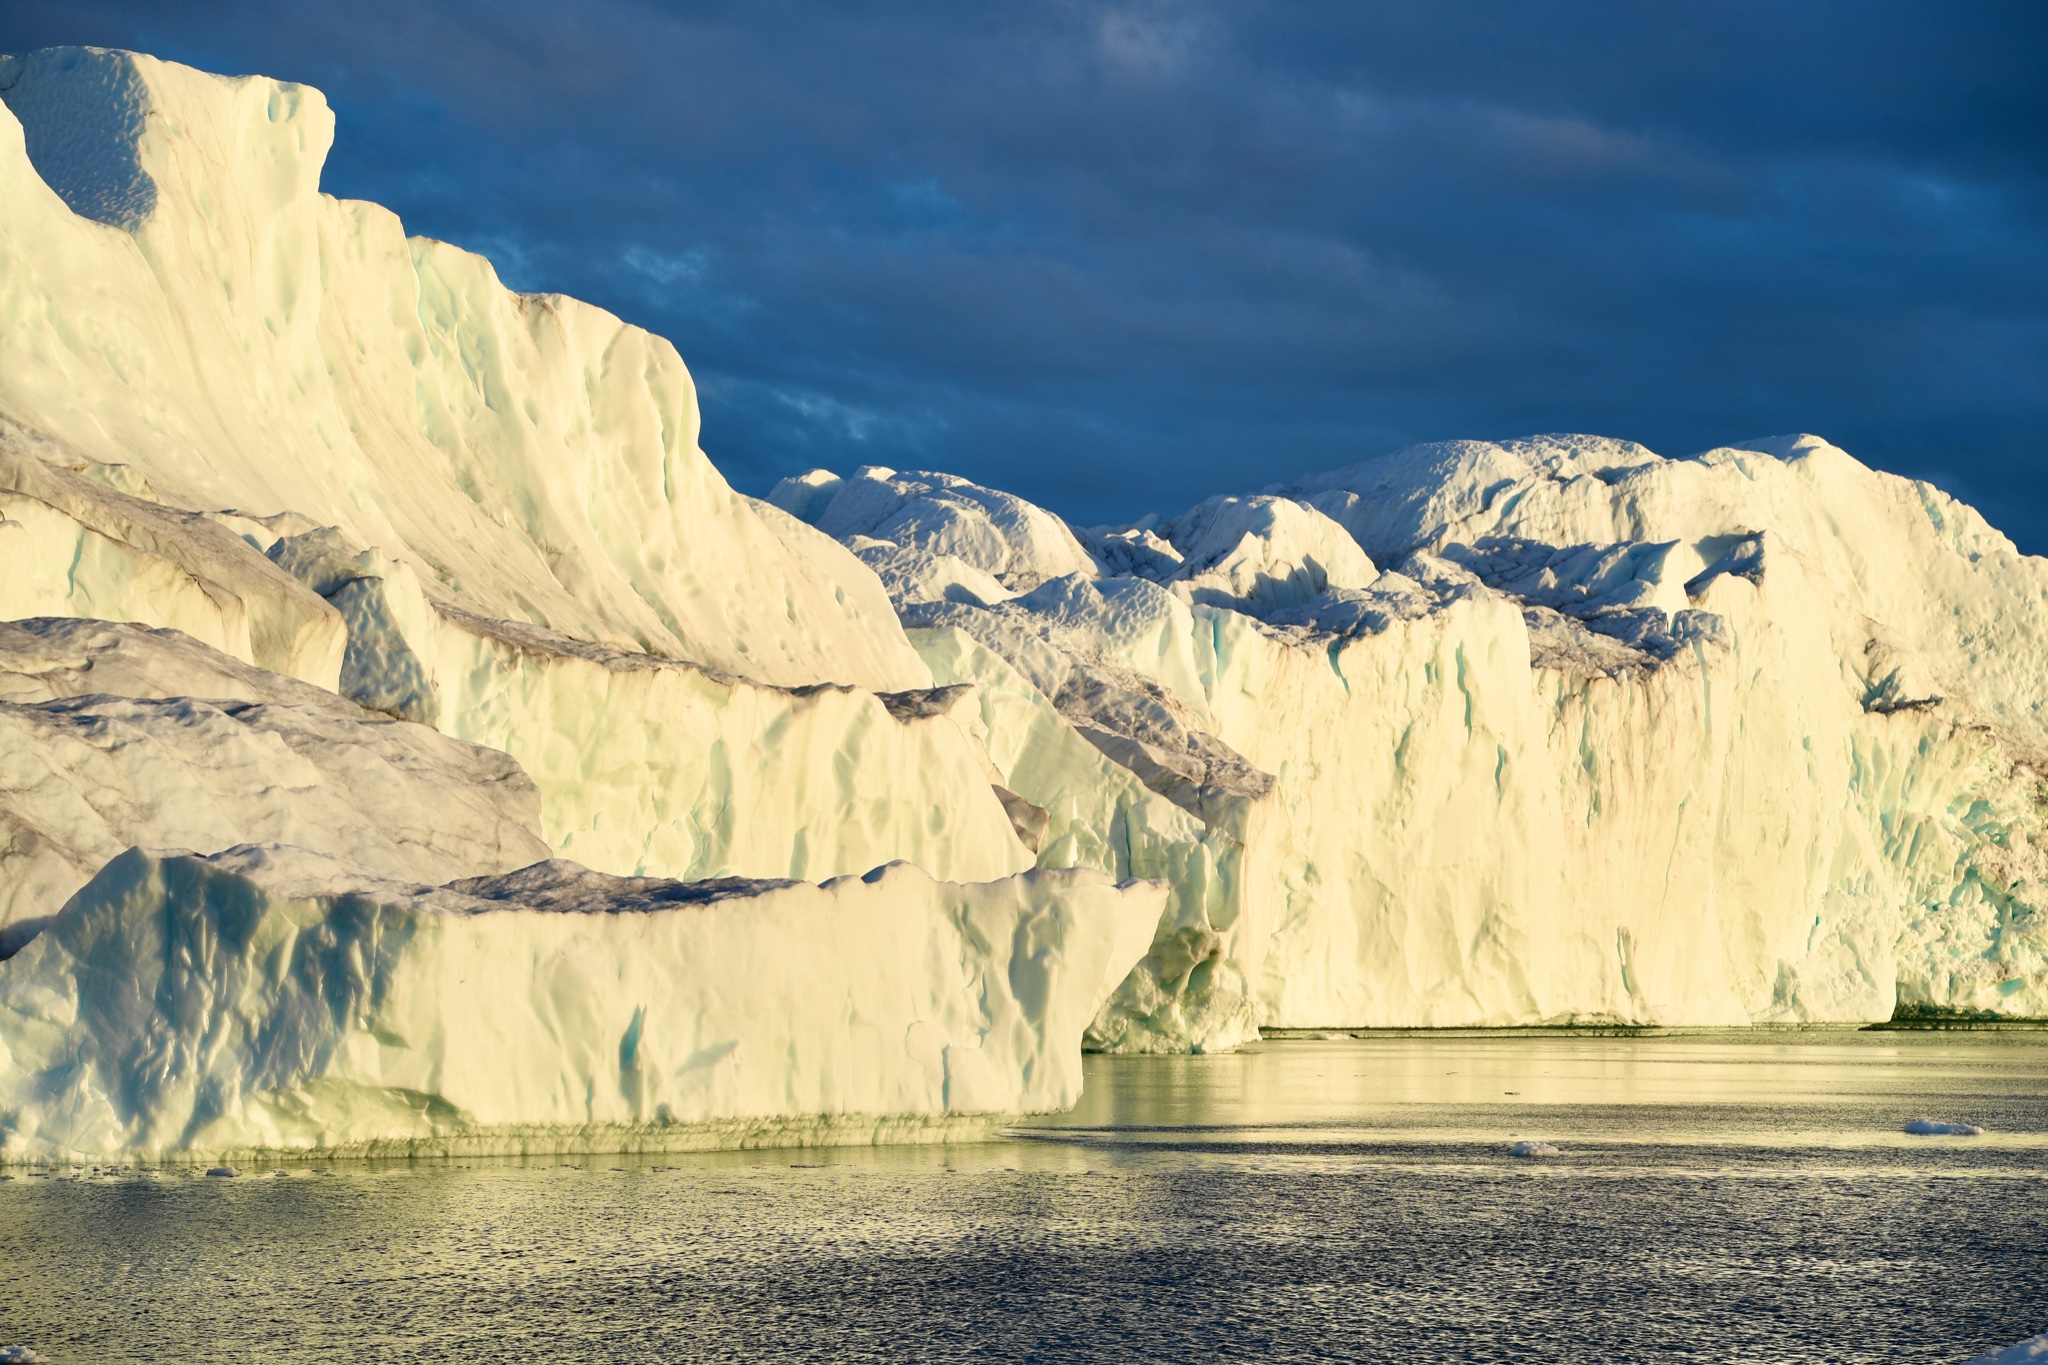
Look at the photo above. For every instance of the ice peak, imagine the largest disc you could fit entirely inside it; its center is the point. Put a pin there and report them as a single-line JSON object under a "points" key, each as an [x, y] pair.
{"points": [[121, 136]]}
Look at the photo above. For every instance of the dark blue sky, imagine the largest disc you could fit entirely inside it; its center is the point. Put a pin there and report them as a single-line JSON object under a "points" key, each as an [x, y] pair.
{"points": [[1118, 257]]}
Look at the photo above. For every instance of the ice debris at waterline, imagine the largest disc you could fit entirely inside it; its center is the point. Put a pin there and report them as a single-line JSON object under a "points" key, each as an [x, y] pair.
{"points": [[272, 999], [316, 535], [2030, 1352], [21, 1355], [1937, 1128], [1531, 1148]]}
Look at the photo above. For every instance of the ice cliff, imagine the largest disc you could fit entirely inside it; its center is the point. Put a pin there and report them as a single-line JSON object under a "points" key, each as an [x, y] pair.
{"points": [[1546, 731], [315, 539], [280, 1000]]}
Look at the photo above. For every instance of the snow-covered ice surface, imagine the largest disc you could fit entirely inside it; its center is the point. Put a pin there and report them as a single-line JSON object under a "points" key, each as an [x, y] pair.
{"points": [[271, 999], [196, 750], [1018, 544]]}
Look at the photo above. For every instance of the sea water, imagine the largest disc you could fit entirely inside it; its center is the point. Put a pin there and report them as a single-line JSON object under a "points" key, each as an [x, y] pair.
{"points": [[1713, 1197]]}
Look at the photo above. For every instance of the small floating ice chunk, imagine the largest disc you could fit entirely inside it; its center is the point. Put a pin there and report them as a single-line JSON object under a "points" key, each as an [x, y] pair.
{"points": [[21, 1355], [1936, 1128], [1528, 1148], [224, 1172], [2026, 1353]]}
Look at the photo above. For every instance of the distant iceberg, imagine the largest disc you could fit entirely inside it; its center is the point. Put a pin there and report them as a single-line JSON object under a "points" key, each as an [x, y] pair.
{"points": [[1937, 1128]]}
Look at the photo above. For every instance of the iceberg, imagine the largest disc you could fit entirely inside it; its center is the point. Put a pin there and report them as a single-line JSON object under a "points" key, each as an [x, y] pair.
{"points": [[320, 540], [1746, 737], [487, 714], [1529, 1149], [268, 1000], [2027, 1352]]}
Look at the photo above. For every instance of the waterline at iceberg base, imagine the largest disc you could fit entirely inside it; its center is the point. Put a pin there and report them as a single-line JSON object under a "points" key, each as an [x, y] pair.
{"points": [[530, 783]]}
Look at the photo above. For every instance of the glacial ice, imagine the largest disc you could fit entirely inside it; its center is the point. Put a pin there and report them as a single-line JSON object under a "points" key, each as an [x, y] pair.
{"points": [[1742, 738], [1262, 554], [1013, 541], [2028, 1352], [317, 538], [85, 775], [1940, 1128], [278, 1000], [93, 540], [274, 349]]}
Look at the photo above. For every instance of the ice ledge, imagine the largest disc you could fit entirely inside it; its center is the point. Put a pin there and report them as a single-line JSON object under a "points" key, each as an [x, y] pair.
{"points": [[268, 999]]}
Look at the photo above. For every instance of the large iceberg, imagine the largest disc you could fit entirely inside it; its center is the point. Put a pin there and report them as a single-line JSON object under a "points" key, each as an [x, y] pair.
{"points": [[1749, 737], [368, 558], [273, 1000], [371, 583]]}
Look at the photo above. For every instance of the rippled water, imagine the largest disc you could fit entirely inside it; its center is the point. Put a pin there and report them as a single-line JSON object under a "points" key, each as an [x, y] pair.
{"points": [[1718, 1198]]}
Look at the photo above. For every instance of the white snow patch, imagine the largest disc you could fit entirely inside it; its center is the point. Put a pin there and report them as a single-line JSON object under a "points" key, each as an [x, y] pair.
{"points": [[1017, 542]]}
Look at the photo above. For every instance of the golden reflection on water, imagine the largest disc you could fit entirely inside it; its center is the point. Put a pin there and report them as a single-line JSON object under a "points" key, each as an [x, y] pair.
{"points": [[1807, 1088], [1715, 1197]]}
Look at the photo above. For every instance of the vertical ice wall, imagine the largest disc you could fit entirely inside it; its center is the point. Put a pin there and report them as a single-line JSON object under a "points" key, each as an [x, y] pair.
{"points": [[275, 1000], [1572, 732]]}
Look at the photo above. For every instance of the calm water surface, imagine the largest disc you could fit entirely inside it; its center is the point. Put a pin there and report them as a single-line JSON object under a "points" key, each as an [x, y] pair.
{"points": [[1719, 1198]]}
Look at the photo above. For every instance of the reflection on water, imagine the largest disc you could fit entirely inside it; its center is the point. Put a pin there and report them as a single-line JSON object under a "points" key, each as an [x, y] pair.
{"points": [[1830, 1088], [1717, 1197]]}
